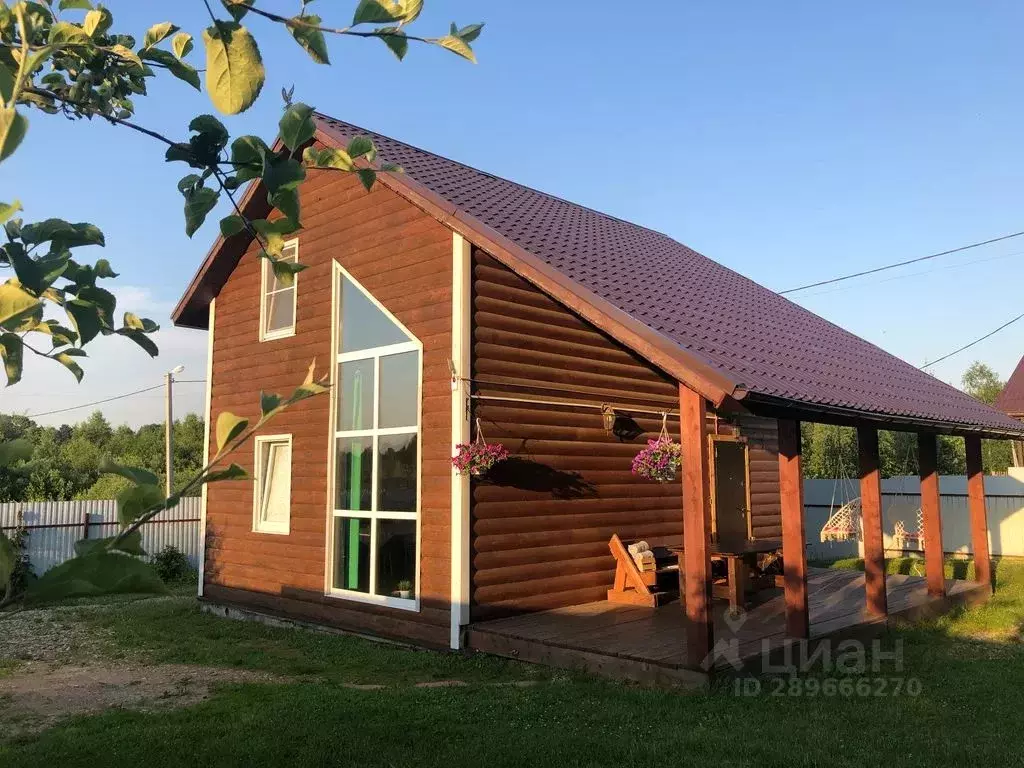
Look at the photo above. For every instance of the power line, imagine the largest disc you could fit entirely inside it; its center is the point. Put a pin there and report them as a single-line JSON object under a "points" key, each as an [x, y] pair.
{"points": [[115, 397], [903, 263], [976, 341]]}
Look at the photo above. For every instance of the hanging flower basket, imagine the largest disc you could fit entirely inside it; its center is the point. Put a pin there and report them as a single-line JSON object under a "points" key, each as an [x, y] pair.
{"points": [[479, 456], [660, 459]]}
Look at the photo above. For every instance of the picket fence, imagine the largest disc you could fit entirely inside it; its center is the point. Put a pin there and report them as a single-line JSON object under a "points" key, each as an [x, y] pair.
{"points": [[55, 526]]}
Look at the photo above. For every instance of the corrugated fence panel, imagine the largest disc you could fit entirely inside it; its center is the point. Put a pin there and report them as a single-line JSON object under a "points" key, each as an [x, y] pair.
{"points": [[55, 526], [1004, 499]]}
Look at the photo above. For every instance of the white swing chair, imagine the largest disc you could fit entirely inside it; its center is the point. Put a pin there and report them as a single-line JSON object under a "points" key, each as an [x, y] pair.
{"points": [[844, 522]]}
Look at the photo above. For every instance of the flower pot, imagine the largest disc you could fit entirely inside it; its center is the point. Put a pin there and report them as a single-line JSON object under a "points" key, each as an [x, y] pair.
{"points": [[405, 594]]}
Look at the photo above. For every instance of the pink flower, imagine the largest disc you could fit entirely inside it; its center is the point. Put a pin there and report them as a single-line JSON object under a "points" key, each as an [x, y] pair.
{"points": [[477, 458], [659, 460]]}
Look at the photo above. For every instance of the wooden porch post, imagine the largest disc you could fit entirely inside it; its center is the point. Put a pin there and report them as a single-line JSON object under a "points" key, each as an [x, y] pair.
{"points": [[696, 526], [931, 512], [794, 541], [979, 518], [871, 517]]}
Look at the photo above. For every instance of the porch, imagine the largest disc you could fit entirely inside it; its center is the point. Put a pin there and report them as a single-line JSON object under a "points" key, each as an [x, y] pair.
{"points": [[649, 645]]}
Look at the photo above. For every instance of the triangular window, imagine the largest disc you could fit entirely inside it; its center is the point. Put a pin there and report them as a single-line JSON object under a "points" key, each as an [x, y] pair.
{"points": [[364, 325]]}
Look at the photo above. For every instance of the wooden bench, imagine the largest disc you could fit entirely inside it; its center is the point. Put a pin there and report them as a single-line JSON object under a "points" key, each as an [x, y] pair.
{"points": [[636, 587]]}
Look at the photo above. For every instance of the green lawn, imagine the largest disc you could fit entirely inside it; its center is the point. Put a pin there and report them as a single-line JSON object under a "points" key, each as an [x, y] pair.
{"points": [[970, 668]]}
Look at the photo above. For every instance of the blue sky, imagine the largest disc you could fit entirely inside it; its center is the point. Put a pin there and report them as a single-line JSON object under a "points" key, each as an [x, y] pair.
{"points": [[791, 141]]}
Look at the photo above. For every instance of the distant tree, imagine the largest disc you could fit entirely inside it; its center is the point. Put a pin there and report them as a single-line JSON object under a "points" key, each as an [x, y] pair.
{"points": [[982, 383]]}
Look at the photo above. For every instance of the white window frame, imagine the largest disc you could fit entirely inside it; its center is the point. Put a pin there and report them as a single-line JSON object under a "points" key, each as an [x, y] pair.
{"points": [[266, 280], [373, 515], [258, 489]]}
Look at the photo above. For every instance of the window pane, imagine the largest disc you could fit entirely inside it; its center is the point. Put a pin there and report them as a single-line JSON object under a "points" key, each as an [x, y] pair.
{"points": [[396, 480], [352, 553], [399, 389], [280, 312], [276, 476], [363, 325], [396, 558], [354, 477], [355, 395]]}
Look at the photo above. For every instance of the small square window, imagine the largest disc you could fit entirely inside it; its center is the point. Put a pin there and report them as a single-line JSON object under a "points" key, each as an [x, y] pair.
{"points": [[272, 490], [278, 301]]}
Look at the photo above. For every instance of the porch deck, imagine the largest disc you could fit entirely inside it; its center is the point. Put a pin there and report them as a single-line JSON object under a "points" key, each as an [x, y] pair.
{"points": [[649, 644]]}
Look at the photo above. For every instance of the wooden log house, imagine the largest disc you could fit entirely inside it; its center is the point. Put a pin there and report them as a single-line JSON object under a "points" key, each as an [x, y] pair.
{"points": [[448, 302]]}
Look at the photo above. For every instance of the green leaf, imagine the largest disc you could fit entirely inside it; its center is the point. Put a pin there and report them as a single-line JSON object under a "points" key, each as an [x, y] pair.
{"points": [[269, 403], [137, 323], [74, 5], [16, 304], [375, 12], [64, 32], [286, 173], [234, 67], [68, 362], [97, 573], [297, 126], [127, 55], [140, 338], [285, 271], [368, 178], [395, 39], [329, 157], [287, 202], [237, 8], [14, 451], [362, 146], [212, 132], [231, 225], [6, 82], [102, 269], [130, 545], [180, 69], [136, 475], [135, 500], [97, 22], [12, 352], [470, 32], [311, 40], [63, 234], [85, 317], [12, 130], [229, 427], [8, 560], [410, 10], [248, 155], [158, 33], [234, 472], [182, 44], [197, 205], [458, 46]]}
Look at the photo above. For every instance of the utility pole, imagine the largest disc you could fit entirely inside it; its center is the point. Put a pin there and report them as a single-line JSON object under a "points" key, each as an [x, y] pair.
{"points": [[169, 428]]}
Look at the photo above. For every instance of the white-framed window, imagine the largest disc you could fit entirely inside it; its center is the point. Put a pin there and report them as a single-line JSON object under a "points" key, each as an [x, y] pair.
{"points": [[374, 527], [277, 300], [272, 487]]}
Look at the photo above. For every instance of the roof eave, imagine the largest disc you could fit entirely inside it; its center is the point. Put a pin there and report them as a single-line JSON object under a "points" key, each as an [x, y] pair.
{"points": [[832, 414]]}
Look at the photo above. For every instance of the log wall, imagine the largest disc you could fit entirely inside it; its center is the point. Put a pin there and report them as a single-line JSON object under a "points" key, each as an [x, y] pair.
{"points": [[542, 520]]}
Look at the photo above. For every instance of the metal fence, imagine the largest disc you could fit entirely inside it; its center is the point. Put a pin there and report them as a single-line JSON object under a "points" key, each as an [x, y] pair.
{"points": [[55, 526], [901, 498]]}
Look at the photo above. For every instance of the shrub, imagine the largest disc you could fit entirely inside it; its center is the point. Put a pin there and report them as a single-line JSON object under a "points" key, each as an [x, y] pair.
{"points": [[171, 564]]}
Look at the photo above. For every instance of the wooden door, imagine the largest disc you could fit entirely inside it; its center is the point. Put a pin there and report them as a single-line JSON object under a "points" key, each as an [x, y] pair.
{"points": [[730, 496]]}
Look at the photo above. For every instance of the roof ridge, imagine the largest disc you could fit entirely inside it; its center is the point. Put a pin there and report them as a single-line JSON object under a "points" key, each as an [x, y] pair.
{"points": [[495, 176]]}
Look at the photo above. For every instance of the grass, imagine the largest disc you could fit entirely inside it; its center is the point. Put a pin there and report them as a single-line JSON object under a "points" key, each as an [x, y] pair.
{"points": [[970, 667]]}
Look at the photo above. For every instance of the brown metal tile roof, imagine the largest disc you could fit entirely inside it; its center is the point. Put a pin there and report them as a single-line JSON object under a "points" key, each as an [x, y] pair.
{"points": [[1011, 399], [764, 342], [775, 352]]}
